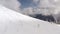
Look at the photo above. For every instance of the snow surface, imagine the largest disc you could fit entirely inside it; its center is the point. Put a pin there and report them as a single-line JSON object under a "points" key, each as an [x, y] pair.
{"points": [[12, 22]]}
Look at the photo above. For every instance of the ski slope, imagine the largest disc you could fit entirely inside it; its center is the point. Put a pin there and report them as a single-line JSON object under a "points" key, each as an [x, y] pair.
{"points": [[12, 22]]}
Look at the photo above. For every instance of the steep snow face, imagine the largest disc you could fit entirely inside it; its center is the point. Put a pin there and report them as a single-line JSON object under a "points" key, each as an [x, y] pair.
{"points": [[12, 22]]}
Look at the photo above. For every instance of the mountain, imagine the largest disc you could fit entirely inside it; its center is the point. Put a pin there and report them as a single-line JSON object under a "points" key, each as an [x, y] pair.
{"points": [[12, 22], [48, 18]]}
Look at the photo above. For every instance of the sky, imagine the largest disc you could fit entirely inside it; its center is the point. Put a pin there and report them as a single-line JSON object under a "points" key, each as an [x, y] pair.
{"points": [[27, 3], [51, 4]]}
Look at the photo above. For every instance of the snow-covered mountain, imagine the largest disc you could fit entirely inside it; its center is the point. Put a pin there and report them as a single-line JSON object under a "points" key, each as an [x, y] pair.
{"points": [[12, 22]]}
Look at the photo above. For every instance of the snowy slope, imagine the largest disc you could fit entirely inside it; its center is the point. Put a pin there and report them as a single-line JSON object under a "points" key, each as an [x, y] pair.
{"points": [[12, 22]]}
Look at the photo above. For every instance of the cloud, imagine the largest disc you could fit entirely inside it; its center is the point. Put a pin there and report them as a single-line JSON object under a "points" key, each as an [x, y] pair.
{"points": [[45, 7], [12, 4], [36, 1], [28, 11]]}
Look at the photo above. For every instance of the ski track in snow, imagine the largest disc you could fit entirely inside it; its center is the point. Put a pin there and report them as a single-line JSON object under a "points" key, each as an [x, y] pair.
{"points": [[12, 22]]}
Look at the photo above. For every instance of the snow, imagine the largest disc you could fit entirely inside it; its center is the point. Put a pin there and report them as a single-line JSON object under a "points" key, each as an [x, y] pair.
{"points": [[12, 22]]}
